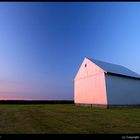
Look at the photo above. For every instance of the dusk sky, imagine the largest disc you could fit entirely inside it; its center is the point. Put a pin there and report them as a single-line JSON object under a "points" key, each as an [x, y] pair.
{"points": [[42, 44]]}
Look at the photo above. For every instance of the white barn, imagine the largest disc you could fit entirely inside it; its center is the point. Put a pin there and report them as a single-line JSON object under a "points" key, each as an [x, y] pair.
{"points": [[107, 85]]}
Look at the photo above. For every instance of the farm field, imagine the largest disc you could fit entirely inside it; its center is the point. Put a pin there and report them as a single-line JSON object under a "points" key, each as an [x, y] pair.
{"points": [[68, 119]]}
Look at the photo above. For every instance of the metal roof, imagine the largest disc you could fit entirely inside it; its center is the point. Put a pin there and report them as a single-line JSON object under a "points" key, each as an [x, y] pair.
{"points": [[115, 69]]}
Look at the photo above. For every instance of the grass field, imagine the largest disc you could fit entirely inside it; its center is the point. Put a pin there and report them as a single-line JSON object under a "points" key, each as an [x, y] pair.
{"points": [[67, 118]]}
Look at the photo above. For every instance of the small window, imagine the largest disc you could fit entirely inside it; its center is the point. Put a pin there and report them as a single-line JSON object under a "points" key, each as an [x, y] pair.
{"points": [[85, 65]]}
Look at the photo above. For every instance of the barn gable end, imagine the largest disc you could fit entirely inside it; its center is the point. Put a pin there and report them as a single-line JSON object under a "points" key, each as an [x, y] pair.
{"points": [[89, 84]]}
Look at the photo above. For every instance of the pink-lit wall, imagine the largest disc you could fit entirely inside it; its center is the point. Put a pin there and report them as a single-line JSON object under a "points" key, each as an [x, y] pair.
{"points": [[89, 84]]}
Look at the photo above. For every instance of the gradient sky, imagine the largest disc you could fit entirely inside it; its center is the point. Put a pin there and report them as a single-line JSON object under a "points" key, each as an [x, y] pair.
{"points": [[42, 44]]}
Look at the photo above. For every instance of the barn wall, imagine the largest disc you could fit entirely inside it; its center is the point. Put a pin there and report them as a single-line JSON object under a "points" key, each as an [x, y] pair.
{"points": [[89, 84], [121, 90]]}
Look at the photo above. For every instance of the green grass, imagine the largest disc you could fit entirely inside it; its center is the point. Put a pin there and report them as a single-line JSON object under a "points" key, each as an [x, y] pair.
{"points": [[67, 118]]}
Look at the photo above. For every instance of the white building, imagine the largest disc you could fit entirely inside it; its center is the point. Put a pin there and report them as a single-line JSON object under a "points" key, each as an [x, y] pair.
{"points": [[104, 84]]}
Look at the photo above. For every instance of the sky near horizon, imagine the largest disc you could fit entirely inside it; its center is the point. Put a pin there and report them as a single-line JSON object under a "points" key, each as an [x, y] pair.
{"points": [[42, 44]]}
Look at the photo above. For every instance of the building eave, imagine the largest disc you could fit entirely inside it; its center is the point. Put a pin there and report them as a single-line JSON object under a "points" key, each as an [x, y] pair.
{"points": [[121, 75]]}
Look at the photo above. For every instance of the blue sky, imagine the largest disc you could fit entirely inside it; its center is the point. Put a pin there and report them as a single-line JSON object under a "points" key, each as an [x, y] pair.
{"points": [[42, 44]]}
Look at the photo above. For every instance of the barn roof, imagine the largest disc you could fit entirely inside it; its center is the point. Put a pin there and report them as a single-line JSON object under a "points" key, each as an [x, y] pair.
{"points": [[115, 69]]}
